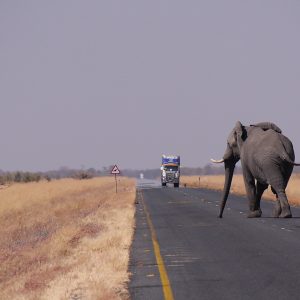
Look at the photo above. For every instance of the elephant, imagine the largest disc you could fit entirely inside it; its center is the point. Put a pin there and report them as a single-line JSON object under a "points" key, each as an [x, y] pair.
{"points": [[267, 158]]}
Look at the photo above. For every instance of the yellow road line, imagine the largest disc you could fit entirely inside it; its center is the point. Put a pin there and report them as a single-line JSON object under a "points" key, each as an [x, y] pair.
{"points": [[168, 294]]}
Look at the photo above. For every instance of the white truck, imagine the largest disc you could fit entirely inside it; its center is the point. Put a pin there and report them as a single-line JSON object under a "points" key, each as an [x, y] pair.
{"points": [[170, 170]]}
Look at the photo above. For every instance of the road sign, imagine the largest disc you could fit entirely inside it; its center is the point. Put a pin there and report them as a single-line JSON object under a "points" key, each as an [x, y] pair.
{"points": [[115, 170]]}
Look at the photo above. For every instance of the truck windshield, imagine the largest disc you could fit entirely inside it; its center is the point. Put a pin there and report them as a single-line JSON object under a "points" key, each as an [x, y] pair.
{"points": [[171, 168]]}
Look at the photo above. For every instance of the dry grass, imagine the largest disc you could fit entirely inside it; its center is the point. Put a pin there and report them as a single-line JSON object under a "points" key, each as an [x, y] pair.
{"points": [[66, 239], [238, 187]]}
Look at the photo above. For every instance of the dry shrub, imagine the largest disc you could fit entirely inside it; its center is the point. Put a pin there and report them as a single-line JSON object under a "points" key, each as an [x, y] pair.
{"points": [[66, 239]]}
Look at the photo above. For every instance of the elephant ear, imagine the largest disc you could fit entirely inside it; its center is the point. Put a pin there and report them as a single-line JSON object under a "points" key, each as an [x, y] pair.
{"points": [[238, 128], [267, 125], [239, 133]]}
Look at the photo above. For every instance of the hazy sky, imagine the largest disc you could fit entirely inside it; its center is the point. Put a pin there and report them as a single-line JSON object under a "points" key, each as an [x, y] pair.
{"points": [[94, 83]]}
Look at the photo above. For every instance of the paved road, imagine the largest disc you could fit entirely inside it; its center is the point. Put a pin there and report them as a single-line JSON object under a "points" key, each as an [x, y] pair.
{"points": [[181, 250]]}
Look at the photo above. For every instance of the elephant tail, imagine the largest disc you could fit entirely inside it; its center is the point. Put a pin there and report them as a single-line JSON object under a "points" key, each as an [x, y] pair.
{"points": [[285, 157]]}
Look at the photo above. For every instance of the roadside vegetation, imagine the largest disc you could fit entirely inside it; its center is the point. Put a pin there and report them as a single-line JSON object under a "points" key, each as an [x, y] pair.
{"points": [[216, 182], [8, 178], [66, 239]]}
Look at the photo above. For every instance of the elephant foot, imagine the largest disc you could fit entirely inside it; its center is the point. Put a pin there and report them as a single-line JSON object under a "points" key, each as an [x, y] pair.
{"points": [[286, 213], [276, 213], [255, 214]]}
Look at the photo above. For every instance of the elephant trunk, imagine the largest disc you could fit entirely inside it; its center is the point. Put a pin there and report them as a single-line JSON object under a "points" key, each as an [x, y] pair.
{"points": [[229, 169]]}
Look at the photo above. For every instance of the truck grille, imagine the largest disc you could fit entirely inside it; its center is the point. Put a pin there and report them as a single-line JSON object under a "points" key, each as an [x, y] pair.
{"points": [[170, 176]]}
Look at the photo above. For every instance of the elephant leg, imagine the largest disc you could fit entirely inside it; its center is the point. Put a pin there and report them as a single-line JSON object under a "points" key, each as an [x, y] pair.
{"points": [[260, 188], [277, 209], [285, 207], [278, 181], [251, 194], [283, 202]]}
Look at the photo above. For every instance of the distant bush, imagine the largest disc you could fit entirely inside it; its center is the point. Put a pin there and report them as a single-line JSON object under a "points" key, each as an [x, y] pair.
{"points": [[2, 180], [30, 177], [48, 178], [18, 177], [9, 177], [83, 175]]}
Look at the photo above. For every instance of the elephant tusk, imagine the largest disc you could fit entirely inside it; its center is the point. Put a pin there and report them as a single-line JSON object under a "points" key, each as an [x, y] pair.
{"points": [[219, 161]]}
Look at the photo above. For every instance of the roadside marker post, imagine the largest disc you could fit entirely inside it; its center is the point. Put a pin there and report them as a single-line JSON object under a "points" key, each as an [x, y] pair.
{"points": [[115, 171]]}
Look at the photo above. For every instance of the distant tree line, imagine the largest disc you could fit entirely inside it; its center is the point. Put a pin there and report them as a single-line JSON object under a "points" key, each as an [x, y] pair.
{"points": [[24, 177], [9, 177], [65, 172]]}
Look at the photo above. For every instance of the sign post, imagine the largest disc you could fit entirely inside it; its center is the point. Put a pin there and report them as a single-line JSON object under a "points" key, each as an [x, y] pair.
{"points": [[115, 171]]}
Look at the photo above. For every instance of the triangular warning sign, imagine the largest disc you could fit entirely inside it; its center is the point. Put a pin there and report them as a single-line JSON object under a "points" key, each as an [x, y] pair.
{"points": [[115, 170]]}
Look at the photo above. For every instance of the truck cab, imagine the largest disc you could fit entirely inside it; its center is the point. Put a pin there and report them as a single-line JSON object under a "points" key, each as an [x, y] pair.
{"points": [[170, 170]]}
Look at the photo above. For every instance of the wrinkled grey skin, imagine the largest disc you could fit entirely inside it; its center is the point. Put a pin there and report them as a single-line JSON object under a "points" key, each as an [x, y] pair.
{"points": [[267, 158]]}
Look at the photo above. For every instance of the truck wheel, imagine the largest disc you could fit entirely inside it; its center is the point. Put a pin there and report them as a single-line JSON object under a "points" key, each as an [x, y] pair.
{"points": [[176, 185], [163, 184]]}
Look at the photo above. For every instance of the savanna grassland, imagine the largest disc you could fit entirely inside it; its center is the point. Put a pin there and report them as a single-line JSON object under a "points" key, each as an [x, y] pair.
{"points": [[66, 239], [216, 182]]}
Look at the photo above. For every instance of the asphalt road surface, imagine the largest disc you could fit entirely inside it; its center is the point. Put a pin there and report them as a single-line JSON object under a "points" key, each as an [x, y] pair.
{"points": [[181, 250]]}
